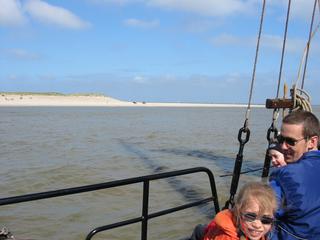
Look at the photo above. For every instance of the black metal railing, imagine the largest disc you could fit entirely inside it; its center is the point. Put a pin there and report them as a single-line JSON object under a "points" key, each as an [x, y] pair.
{"points": [[145, 205]]}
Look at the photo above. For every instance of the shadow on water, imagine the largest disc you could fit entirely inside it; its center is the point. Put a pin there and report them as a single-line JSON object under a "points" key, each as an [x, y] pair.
{"points": [[225, 164], [186, 191]]}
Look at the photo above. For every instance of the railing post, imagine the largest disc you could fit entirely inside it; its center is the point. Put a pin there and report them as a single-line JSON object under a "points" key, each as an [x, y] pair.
{"points": [[145, 212]]}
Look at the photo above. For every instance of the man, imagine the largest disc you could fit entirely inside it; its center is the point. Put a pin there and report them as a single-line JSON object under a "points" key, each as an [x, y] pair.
{"points": [[299, 180]]}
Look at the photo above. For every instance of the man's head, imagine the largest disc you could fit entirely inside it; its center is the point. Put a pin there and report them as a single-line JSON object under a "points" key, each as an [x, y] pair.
{"points": [[300, 133]]}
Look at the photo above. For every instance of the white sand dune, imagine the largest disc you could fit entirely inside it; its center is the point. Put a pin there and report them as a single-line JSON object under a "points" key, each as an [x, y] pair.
{"points": [[16, 99]]}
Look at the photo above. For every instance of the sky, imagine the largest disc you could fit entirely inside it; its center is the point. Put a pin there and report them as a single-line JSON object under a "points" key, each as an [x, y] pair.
{"points": [[198, 51]]}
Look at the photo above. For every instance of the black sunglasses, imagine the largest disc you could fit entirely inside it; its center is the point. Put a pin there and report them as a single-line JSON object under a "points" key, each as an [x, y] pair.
{"points": [[290, 141], [250, 217]]}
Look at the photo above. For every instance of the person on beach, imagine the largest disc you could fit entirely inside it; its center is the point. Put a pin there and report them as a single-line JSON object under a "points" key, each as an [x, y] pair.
{"points": [[297, 181], [276, 155], [251, 218]]}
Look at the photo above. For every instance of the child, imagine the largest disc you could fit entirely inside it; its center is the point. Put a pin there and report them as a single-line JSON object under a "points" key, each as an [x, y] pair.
{"points": [[277, 160], [276, 155], [251, 217]]}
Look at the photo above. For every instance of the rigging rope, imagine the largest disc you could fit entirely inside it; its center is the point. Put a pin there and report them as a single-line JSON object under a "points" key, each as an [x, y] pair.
{"points": [[301, 100], [283, 47], [273, 128], [308, 43], [244, 130]]}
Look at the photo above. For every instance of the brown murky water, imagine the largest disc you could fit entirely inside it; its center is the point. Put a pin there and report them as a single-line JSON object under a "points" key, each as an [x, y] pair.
{"points": [[50, 148]]}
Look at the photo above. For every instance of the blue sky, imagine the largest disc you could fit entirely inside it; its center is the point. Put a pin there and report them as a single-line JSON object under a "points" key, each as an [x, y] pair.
{"points": [[155, 50]]}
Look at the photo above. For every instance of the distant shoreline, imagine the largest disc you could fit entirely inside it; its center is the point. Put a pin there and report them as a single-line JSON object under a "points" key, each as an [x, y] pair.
{"points": [[56, 99]]}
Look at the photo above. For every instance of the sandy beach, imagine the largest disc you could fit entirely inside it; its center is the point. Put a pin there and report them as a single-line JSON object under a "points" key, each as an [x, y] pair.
{"points": [[20, 100]]}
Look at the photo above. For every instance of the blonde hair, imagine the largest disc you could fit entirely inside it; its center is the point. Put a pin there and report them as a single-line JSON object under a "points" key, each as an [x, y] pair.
{"points": [[261, 192]]}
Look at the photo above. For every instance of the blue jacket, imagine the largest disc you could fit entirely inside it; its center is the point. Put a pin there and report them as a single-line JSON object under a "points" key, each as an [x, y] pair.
{"points": [[300, 186], [280, 197]]}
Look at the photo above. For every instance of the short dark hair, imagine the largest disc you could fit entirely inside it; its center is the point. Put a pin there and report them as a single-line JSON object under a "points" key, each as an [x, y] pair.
{"points": [[311, 125], [275, 146]]}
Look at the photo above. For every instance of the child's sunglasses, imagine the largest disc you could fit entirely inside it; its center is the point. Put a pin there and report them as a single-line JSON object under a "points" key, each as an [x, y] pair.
{"points": [[250, 217]]}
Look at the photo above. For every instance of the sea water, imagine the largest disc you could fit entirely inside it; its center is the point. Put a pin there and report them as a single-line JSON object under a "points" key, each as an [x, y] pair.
{"points": [[49, 148]]}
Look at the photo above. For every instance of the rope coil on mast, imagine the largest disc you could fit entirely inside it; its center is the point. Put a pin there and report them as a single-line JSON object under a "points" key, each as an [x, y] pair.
{"points": [[244, 132], [301, 99]]}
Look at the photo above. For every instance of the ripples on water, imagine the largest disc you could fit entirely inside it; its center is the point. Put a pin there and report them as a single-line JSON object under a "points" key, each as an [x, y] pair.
{"points": [[50, 148]]}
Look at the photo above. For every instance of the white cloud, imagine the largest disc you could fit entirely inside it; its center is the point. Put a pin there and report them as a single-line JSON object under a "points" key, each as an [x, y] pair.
{"points": [[133, 22], [234, 78], [13, 77], [303, 9], [21, 54], [206, 7], [115, 2], [11, 13], [140, 79], [273, 42], [16, 12], [201, 7], [276, 42], [232, 40], [47, 13], [198, 26], [299, 8]]}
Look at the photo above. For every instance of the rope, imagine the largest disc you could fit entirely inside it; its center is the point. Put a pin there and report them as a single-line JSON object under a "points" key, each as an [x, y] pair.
{"points": [[308, 43], [304, 55], [244, 130], [283, 47], [243, 172], [254, 66], [276, 110], [273, 129], [289, 233], [301, 100]]}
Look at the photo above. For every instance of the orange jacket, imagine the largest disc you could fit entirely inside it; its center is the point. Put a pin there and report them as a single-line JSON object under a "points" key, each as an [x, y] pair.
{"points": [[222, 227]]}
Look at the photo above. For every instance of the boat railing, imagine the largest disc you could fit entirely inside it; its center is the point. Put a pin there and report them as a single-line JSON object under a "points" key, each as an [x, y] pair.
{"points": [[145, 205]]}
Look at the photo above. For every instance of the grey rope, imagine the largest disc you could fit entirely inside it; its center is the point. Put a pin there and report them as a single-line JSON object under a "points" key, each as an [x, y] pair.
{"points": [[244, 132], [291, 234], [283, 47], [254, 66], [301, 100], [308, 43], [276, 110]]}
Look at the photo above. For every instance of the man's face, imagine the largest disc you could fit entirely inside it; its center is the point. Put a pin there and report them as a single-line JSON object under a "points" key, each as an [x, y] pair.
{"points": [[294, 144]]}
